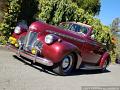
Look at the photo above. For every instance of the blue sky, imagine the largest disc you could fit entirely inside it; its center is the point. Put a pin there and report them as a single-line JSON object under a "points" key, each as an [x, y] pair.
{"points": [[110, 9]]}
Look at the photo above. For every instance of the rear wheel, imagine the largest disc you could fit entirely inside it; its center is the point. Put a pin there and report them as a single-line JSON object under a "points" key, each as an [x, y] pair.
{"points": [[65, 66], [104, 66]]}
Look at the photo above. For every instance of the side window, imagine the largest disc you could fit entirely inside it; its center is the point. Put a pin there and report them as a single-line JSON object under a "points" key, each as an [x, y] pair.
{"points": [[84, 30], [77, 28], [74, 27]]}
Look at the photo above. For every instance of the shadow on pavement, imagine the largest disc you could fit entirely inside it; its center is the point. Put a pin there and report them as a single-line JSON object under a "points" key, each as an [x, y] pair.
{"points": [[37, 66], [88, 72], [48, 70]]}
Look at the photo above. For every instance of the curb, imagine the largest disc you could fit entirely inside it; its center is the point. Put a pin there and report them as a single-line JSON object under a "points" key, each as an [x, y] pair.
{"points": [[2, 45]]}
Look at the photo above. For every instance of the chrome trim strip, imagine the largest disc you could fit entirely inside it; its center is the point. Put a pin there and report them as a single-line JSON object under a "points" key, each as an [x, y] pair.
{"points": [[27, 39], [66, 36], [87, 67]]}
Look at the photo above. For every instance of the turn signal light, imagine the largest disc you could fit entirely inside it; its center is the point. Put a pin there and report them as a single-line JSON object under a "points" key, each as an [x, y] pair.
{"points": [[34, 51]]}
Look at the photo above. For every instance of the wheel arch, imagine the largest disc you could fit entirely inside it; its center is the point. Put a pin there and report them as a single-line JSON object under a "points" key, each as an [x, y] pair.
{"points": [[58, 50], [78, 59], [104, 57]]}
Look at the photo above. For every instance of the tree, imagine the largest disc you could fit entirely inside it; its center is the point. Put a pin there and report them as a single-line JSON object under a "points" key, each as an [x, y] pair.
{"points": [[16, 11], [28, 10], [90, 6], [10, 17], [115, 29], [2, 9], [115, 26], [56, 11]]}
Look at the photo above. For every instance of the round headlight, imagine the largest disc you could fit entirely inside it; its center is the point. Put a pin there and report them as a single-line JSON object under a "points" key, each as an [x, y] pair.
{"points": [[49, 39], [17, 30]]}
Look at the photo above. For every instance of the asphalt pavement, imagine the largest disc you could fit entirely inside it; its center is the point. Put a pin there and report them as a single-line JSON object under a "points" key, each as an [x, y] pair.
{"points": [[18, 74]]}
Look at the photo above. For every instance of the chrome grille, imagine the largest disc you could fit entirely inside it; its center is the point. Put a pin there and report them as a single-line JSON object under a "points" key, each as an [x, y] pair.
{"points": [[30, 40], [38, 44]]}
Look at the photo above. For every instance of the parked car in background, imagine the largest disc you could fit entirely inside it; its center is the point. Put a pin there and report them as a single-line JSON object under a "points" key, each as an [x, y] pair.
{"points": [[118, 59], [66, 47]]}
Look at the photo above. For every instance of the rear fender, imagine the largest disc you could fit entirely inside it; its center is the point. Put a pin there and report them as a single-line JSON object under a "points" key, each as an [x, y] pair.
{"points": [[78, 59], [103, 58]]}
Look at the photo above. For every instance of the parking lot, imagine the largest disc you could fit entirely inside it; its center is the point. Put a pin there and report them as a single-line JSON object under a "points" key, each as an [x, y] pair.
{"points": [[17, 74]]}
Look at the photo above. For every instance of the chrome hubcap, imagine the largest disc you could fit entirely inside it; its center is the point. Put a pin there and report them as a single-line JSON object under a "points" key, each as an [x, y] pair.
{"points": [[67, 63]]}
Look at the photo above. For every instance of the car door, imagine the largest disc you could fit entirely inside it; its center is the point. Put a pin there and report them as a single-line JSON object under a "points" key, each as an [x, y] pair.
{"points": [[91, 51]]}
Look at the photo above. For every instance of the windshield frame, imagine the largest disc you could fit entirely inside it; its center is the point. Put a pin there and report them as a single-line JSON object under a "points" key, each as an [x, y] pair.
{"points": [[77, 28]]}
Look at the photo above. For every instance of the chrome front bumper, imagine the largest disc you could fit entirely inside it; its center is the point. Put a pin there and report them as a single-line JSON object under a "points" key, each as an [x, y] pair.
{"points": [[32, 57]]}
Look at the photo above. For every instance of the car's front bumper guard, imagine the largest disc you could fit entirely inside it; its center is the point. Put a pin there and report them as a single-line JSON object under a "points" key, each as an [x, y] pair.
{"points": [[34, 58]]}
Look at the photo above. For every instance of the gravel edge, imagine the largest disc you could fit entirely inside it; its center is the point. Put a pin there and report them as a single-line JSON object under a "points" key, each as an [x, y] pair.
{"points": [[3, 47]]}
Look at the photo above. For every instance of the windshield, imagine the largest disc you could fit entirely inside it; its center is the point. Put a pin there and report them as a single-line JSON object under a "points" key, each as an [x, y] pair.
{"points": [[74, 27]]}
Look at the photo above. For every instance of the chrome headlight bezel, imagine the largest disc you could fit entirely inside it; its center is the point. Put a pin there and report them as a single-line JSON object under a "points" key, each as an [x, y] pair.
{"points": [[49, 39], [17, 30]]}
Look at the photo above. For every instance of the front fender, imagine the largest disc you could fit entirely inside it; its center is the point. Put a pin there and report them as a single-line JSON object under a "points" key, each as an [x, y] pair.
{"points": [[58, 50], [17, 36], [14, 38]]}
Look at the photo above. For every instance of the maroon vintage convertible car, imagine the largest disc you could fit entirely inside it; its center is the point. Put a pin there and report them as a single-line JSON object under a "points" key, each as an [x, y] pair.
{"points": [[69, 46]]}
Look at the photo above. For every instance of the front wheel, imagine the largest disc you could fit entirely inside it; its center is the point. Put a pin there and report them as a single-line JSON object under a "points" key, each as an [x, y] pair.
{"points": [[65, 66]]}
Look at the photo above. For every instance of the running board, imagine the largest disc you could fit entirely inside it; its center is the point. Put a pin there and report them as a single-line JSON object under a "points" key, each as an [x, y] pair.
{"points": [[89, 67]]}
